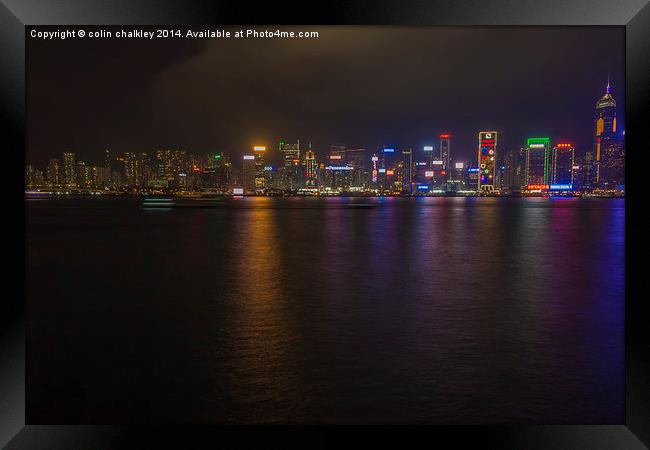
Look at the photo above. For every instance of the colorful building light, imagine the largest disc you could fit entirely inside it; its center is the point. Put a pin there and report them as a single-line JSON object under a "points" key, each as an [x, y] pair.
{"points": [[428, 148], [428, 173], [487, 145], [259, 148], [389, 150], [560, 187], [248, 157]]}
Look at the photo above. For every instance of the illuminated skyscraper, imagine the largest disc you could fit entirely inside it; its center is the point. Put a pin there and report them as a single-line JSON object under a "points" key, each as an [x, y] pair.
{"points": [[290, 171], [487, 154], [562, 162], [538, 151], [310, 168], [407, 171], [108, 167], [445, 151], [260, 164], [53, 172], [83, 175], [604, 132], [249, 171], [356, 159], [69, 172]]}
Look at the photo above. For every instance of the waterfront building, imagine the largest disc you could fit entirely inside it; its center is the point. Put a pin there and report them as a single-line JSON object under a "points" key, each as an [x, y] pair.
{"points": [[445, 151], [69, 172], [562, 162], [487, 154], [355, 158], [605, 143], [407, 171], [538, 161], [311, 178], [249, 172], [290, 172], [259, 152], [53, 172]]}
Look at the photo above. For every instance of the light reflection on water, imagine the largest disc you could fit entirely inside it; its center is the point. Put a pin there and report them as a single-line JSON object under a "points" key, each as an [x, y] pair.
{"points": [[438, 310]]}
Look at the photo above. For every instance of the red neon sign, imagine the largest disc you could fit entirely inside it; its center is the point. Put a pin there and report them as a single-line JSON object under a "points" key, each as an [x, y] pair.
{"points": [[534, 187], [445, 136]]}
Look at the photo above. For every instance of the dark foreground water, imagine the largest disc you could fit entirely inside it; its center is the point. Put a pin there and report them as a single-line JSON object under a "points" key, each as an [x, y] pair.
{"points": [[436, 310]]}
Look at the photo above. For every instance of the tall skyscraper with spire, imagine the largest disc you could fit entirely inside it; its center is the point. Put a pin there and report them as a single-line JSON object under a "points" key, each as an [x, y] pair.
{"points": [[605, 142]]}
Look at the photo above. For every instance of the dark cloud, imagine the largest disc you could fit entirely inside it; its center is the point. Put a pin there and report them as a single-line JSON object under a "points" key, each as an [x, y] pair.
{"points": [[362, 86]]}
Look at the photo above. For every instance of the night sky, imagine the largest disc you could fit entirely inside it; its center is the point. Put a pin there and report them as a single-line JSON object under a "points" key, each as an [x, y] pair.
{"points": [[359, 86]]}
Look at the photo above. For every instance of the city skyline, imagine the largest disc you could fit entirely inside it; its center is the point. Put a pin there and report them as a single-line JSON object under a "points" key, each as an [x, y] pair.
{"points": [[362, 86]]}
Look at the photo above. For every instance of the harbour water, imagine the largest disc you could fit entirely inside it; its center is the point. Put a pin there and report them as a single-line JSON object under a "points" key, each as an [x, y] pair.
{"points": [[306, 310]]}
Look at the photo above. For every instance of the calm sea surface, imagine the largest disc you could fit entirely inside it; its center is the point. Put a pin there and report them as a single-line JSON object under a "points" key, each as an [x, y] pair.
{"points": [[305, 310]]}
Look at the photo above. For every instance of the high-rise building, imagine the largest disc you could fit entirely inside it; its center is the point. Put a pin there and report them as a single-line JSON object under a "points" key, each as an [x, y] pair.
{"points": [[290, 173], [69, 172], [562, 162], [33, 177], [249, 174], [487, 154], [407, 170], [356, 158], [108, 166], [604, 136], [311, 177], [538, 151], [514, 165], [84, 180], [445, 151], [53, 172], [259, 152]]}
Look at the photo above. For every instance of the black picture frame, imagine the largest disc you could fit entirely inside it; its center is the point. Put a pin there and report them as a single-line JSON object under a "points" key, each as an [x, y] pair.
{"points": [[634, 15]]}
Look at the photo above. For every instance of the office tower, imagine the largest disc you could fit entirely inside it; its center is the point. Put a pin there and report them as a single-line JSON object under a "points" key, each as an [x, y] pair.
{"points": [[69, 172], [259, 152], [249, 174], [289, 152], [604, 134], [487, 154], [588, 168], [538, 161], [33, 177], [167, 170], [562, 162], [311, 178], [108, 166], [338, 173], [428, 155], [407, 170], [131, 169], [457, 172], [472, 180], [445, 151], [290, 170], [374, 161], [53, 172], [356, 158], [83, 175]]}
